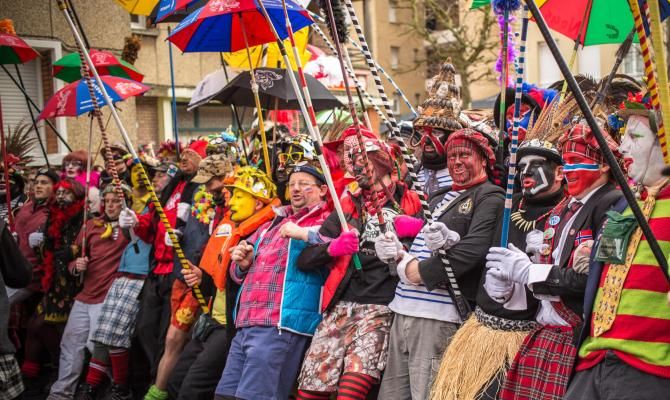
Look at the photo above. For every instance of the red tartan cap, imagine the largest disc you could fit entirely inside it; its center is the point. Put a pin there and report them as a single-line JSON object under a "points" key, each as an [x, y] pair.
{"points": [[581, 140], [469, 137]]}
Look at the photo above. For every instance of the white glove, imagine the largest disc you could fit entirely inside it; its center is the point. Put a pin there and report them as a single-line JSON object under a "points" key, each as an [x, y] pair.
{"points": [[509, 264], [127, 219], [437, 235], [498, 290], [581, 256], [183, 211], [35, 239], [535, 242], [388, 247], [168, 241]]}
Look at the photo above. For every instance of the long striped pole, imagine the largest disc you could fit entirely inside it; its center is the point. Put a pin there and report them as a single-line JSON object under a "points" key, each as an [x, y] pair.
{"points": [[502, 123], [521, 63], [143, 175], [373, 69], [379, 67], [312, 128], [453, 287], [653, 15], [652, 84], [353, 77]]}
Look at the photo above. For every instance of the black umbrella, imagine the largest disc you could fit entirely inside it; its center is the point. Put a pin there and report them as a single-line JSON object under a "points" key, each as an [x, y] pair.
{"points": [[178, 15], [274, 85]]}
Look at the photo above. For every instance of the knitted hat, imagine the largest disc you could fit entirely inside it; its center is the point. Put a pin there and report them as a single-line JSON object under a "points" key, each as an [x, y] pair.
{"points": [[255, 182], [379, 153], [581, 140], [469, 138], [443, 106], [198, 147]]}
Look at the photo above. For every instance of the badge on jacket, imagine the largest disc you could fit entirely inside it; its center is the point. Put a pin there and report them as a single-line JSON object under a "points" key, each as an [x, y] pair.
{"points": [[465, 207]]}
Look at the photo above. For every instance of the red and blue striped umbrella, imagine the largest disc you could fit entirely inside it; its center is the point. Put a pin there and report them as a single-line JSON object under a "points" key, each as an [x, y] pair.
{"points": [[216, 27], [75, 99]]}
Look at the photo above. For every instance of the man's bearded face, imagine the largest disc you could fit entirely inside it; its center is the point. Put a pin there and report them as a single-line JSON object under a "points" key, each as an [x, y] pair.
{"points": [[536, 174], [465, 164], [580, 172], [433, 153], [64, 197]]}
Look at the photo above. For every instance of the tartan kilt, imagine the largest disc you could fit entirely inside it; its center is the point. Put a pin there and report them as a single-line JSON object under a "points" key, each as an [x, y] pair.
{"points": [[542, 367], [11, 384], [116, 323]]}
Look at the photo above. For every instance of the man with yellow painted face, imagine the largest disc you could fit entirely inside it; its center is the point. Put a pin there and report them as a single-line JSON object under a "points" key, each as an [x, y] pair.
{"points": [[200, 365]]}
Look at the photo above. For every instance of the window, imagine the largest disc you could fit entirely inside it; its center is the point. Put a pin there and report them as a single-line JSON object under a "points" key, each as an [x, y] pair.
{"points": [[39, 87], [632, 63], [396, 103], [549, 72], [395, 57], [589, 61], [138, 22], [393, 5]]}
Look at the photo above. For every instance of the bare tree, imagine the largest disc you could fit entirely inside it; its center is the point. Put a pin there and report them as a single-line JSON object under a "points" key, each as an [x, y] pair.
{"points": [[449, 29]]}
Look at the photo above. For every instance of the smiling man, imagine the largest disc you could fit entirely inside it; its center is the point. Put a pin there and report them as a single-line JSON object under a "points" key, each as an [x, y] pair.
{"points": [[544, 363]]}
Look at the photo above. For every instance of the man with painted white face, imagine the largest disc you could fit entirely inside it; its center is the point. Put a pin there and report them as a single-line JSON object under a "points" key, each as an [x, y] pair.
{"points": [[627, 315], [543, 365]]}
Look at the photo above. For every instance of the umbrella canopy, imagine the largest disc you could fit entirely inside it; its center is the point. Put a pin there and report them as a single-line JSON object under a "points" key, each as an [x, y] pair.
{"points": [[273, 84], [68, 68], [273, 57], [75, 99], [168, 10], [13, 50], [138, 7], [216, 26], [604, 21]]}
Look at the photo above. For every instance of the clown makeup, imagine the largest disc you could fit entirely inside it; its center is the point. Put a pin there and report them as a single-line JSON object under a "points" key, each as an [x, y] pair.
{"points": [[466, 165], [64, 197], [43, 188], [72, 168], [359, 172], [432, 148], [582, 174], [524, 120], [536, 175], [642, 153], [242, 205]]}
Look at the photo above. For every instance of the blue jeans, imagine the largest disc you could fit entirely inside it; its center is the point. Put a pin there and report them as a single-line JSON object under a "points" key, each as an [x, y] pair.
{"points": [[262, 364]]}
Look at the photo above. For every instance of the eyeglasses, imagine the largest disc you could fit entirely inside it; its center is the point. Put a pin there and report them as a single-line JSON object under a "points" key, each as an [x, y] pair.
{"points": [[72, 163], [294, 157], [301, 184]]}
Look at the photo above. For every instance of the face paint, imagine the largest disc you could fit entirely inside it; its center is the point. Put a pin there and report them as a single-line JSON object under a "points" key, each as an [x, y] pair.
{"points": [[72, 168], [304, 190], [359, 172], [465, 164], [432, 149], [580, 172], [536, 175], [642, 153], [64, 197], [242, 205]]}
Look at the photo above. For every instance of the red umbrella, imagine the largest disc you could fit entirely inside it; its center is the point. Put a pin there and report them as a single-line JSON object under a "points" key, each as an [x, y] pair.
{"points": [[68, 68], [13, 50]]}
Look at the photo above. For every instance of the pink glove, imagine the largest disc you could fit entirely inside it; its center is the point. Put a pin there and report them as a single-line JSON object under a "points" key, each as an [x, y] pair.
{"points": [[406, 226], [345, 245]]}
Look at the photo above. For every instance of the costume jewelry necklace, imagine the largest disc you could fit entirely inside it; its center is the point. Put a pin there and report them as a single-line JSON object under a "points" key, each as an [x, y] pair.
{"points": [[522, 223]]}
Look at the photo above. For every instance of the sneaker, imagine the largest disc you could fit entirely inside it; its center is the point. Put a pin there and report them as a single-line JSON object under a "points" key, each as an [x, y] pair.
{"points": [[85, 392], [120, 392]]}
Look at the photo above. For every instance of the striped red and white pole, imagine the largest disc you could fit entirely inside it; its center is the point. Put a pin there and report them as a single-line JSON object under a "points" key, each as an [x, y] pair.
{"points": [[353, 77], [511, 173]]}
